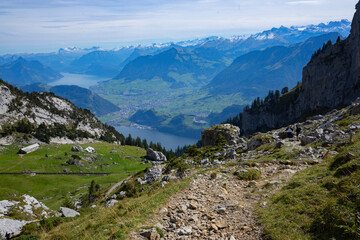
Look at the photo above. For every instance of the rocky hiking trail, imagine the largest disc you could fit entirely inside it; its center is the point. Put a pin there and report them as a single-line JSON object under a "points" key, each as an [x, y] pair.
{"points": [[221, 207]]}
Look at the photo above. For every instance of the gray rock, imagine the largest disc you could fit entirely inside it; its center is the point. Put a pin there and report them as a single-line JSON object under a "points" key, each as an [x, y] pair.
{"points": [[151, 235], [111, 203], [75, 162], [155, 155], [67, 212], [154, 174], [122, 194], [11, 227], [216, 162], [204, 161], [221, 210], [185, 231], [89, 150], [253, 144], [305, 140], [77, 148]]}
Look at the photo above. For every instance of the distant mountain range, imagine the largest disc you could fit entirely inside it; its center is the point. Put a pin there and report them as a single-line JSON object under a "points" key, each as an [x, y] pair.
{"points": [[254, 73], [175, 60], [190, 79], [81, 97], [22, 72], [75, 59]]}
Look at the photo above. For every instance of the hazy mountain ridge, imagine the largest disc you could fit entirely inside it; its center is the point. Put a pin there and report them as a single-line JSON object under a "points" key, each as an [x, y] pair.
{"points": [[22, 72]]}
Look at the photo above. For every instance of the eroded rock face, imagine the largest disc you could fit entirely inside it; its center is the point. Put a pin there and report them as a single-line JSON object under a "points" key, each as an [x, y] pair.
{"points": [[209, 137], [155, 155]]}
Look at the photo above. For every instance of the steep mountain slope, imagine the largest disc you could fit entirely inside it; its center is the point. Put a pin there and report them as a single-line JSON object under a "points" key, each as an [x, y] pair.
{"points": [[85, 98], [22, 72], [331, 79], [46, 116], [253, 74], [175, 60]]}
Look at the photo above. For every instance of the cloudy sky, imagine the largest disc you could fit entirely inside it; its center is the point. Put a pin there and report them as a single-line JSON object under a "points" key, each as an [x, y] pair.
{"points": [[46, 25]]}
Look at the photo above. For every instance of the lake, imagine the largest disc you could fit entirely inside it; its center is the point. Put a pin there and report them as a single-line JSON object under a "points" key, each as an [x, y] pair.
{"points": [[168, 141], [81, 80]]}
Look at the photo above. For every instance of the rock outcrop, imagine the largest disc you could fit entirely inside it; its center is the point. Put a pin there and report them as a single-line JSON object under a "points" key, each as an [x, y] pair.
{"points": [[68, 212], [27, 208], [155, 155], [330, 80], [210, 136]]}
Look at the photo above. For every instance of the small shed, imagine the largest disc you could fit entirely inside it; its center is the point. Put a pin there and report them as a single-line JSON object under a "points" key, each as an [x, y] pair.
{"points": [[29, 149]]}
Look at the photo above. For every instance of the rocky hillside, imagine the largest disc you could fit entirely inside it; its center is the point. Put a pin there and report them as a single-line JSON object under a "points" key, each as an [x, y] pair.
{"points": [[268, 185], [330, 80], [46, 117]]}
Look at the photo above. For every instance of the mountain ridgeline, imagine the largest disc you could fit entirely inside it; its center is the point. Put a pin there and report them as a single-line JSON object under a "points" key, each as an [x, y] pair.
{"points": [[330, 80], [22, 72]]}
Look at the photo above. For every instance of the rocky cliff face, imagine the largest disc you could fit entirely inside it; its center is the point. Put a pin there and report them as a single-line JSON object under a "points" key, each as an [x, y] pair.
{"points": [[330, 80]]}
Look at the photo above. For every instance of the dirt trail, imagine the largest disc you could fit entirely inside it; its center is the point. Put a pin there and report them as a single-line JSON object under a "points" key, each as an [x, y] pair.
{"points": [[115, 186], [221, 208]]}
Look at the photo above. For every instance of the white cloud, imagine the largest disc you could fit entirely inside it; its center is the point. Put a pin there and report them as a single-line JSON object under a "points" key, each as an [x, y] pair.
{"points": [[36, 23], [304, 2]]}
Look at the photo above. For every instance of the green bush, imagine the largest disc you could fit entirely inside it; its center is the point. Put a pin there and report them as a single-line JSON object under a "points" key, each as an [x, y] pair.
{"points": [[213, 175], [248, 174]]}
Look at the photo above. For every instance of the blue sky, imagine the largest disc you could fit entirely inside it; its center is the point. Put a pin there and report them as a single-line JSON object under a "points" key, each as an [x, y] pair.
{"points": [[46, 25]]}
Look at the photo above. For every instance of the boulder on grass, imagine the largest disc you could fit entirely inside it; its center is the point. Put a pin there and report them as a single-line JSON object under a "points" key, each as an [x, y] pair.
{"points": [[155, 155], [67, 212], [77, 148]]}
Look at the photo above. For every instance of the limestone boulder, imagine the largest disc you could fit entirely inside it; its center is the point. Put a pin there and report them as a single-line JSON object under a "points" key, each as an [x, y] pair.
{"points": [[77, 148], [155, 155], [68, 212], [209, 136]]}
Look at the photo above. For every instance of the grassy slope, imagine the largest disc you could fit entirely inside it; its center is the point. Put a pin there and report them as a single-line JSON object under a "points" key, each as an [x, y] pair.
{"points": [[52, 189], [114, 223], [321, 202]]}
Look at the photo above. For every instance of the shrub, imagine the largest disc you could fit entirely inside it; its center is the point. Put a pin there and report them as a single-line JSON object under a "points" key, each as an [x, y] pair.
{"points": [[248, 174], [213, 175], [220, 140]]}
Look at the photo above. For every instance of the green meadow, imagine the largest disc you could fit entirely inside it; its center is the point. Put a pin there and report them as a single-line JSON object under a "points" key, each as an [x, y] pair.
{"points": [[120, 161]]}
